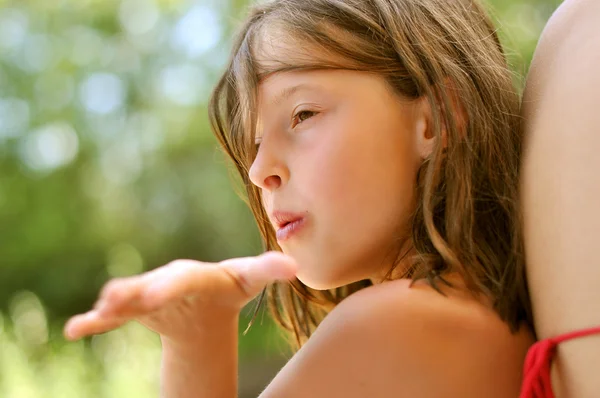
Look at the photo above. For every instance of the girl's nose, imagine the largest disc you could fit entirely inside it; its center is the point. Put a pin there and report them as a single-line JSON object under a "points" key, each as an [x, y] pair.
{"points": [[268, 171]]}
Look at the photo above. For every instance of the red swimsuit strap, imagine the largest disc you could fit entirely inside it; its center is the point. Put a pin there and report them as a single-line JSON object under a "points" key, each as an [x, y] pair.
{"points": [[536, 381]]}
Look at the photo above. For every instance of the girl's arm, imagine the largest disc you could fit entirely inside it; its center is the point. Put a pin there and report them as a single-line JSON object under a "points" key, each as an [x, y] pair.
{"points": [[205, 368], [561, 191], [194, 307], [388, 340]]}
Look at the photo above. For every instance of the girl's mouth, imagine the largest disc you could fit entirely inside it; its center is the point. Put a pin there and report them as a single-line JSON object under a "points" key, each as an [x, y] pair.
{"points": [[288, 229]]}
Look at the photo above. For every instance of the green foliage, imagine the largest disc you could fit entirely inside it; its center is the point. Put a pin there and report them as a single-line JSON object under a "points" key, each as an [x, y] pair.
{"points": [[36, 362], [105, 145]]}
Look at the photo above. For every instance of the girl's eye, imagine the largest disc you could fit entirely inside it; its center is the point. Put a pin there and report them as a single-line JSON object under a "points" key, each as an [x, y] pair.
{"points": [[302, 116]]}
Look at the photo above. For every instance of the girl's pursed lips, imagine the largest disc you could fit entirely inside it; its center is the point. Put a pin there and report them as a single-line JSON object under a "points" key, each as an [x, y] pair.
{"points": [[281, 218]]}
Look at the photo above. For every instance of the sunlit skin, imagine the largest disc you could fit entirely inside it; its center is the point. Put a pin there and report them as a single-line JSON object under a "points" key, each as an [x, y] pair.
{"points": [[343, 151], [561, 190], [339, 145], [338, 150], [338, 142]]}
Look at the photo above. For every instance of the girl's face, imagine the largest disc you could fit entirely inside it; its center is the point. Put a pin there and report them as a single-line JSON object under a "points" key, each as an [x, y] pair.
{"points": [[340, 152]]}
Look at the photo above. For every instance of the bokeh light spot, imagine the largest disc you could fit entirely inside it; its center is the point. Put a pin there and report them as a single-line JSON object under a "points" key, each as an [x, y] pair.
{"points": [[14, 117], [13, 28], [29, 319], [124, 260], [182, 84], [138, 16], [49, 147], [102, 93], [197, 31]]}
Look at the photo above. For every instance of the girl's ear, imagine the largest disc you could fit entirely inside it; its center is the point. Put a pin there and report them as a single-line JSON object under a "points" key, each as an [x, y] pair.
{"points": [[456, 109], [424, 128], [426, 138], [425, 124]]}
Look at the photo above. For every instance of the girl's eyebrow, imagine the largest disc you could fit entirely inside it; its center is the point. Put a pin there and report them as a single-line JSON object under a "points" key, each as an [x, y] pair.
{"points": [[287, 92]]}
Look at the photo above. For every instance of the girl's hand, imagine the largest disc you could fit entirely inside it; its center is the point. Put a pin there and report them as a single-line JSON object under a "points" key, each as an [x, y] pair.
{"points": [[182, 297]]}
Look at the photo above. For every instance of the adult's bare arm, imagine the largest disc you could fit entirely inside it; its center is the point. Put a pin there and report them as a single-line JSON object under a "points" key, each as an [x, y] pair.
{"points": [[561, 191]]}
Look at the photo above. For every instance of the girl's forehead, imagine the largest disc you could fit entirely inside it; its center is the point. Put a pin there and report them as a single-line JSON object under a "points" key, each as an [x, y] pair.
{"points": [[275, 47]]}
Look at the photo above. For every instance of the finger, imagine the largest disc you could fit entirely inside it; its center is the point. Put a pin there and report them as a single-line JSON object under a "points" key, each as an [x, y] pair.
{"points": [[232, 281], [121, 297], [90, 323], [254, 273], [125, 296], [179, 279]]}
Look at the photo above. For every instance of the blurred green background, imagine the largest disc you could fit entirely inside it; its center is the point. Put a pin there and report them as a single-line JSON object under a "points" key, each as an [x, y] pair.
{"points": [[108, 168]]}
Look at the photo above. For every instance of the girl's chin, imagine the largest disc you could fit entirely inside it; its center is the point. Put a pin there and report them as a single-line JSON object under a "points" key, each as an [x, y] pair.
{"points": [[318, 274], [319, 281]]}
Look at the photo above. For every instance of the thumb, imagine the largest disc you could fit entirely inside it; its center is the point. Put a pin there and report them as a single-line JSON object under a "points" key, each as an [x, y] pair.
{"points": [[254, 273]]}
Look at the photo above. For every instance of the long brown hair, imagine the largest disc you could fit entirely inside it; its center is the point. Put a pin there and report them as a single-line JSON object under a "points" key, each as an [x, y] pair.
{"points": [[467, 215]]}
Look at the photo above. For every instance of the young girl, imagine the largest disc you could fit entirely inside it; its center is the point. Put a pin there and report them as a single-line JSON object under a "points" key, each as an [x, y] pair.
{"points": [[379, 144]]}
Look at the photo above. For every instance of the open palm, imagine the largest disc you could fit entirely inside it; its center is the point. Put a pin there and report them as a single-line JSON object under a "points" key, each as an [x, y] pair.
{"points": [[182, 297]]}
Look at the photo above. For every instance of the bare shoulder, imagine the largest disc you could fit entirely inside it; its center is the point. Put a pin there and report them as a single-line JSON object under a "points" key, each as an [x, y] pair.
{"points": [[394, 340], [572, 19], [572, 29], [566, 61]]}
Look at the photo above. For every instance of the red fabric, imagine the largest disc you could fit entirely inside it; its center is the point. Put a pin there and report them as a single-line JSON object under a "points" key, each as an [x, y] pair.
{"points": [[536, 374]]}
